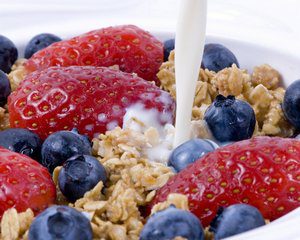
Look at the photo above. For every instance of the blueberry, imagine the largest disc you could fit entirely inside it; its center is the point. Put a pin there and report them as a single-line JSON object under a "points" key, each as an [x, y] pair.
{"points": [[61, 145], [8, 54], [169, 45], [60, 222], [80, 174], [235, 219], [4, 88], [291, 104], [217, 57], [21, 141], [170, 223], [189, 152], [39, 42], [230, 119]]}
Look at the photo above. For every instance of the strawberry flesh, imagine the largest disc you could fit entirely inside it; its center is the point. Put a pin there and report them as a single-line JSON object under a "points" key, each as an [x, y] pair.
{"points": [[131, 48], [263, 172], [91, 99], [24, 183]]}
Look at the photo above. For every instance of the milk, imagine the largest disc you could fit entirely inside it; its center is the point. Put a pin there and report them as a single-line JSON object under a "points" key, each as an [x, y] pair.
{"points": [[189, 45]]}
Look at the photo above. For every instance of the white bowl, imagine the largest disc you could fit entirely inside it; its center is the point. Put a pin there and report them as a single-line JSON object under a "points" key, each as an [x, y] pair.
{"points": [[250, 55]]}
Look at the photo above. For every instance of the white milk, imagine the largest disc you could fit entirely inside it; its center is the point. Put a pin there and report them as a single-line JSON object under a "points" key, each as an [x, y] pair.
{"points": [[189, 45]]}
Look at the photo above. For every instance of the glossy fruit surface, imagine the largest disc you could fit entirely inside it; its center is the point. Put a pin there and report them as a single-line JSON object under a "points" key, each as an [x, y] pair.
{"points": [[217, 57], [80, 174], [169, 45], [235, 219], [230, 119], [24, 183], [4, 88], [170, 223], [189, 152], [60, 222], [263, 172], [91, 99], [291, 104], [130, 47], [61, 145], [23, 141], [39, 42], [8, 54]]}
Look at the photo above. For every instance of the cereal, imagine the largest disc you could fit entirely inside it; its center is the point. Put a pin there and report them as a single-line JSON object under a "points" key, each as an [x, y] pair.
{"points": [[17, 73], [14, 225], [261, 90]]}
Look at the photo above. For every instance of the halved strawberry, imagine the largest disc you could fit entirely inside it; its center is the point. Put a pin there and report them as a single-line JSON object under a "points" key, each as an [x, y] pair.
{"points": [[92, 99], [263, 172], [131, 48], [24, 183]]}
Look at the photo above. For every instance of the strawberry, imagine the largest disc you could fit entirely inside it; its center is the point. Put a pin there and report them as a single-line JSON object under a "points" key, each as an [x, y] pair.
{"points": [[263, 172], [92, 99], [133, 49], [24, 183]]}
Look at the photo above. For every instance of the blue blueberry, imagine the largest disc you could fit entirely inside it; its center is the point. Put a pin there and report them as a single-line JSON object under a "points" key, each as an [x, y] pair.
{"points": [[4, 88], [230, 119], [61, 145], [39, 42], [291, 104], [170, 223], [189, 152], [60, 222], [8, 54], [23, 141], [217, 57], [169, 45], [80, 174], [235, 219]]}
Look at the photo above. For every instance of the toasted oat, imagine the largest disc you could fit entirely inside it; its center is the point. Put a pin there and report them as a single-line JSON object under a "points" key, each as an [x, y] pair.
{"points": [[14, 224], [17, 73], [179, 200], [4, 118], [267, 76], [261, 90]]}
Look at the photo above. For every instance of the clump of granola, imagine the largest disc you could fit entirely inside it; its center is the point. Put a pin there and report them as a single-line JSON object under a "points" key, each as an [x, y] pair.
{"points": [[17, 73], [261, 89]]}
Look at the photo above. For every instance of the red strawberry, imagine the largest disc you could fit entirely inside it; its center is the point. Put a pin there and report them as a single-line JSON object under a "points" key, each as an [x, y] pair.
{"points": [[263, 172], [133, 49], [24, 183], [92, 99]]}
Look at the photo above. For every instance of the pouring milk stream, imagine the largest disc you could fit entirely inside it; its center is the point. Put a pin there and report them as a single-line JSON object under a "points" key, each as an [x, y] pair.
{"points": [[189, 45]]}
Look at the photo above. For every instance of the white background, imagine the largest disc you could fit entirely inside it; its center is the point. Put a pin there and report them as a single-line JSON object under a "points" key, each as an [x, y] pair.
{"points": [[270, 22]]}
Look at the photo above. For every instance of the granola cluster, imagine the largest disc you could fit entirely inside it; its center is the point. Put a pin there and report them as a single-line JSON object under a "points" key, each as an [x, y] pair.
{"points": [[113, 209], [261, 89]]}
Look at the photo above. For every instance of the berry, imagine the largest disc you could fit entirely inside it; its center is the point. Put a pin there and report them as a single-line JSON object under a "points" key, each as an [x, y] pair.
{"points": [[169, 45], [4, 88], [61, 145], [235, 219], [291, 104], [131, 48], [230, 119], [80, 174], [263, 172], [170, 223], [21, 141], [8, 54], [91, 99], [39, 42], [24, 183], [217, 57], [60, 222], [189, 152]]}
